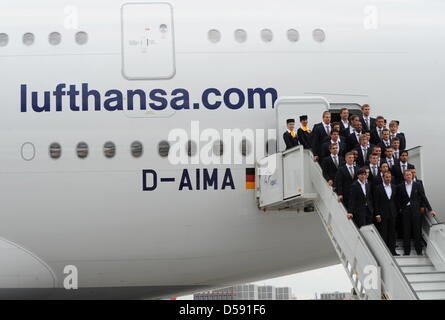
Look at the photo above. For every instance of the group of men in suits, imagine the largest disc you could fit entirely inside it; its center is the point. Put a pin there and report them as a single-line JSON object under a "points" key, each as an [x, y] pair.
{"points": [[367, 166]]}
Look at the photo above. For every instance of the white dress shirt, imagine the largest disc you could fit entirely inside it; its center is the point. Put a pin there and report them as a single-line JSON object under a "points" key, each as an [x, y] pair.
{"points": [[409, 188], [388, 190]]}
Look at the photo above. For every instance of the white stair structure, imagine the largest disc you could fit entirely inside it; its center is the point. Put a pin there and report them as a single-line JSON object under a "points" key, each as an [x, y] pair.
{"points": [[292, 181], [298, 183]]}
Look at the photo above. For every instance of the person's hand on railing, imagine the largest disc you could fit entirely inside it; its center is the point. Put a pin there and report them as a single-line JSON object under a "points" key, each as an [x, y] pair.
{"points": [[330, 182], [340, 198], [378, 219], [349, 215], [433, 213], [315, 158]]}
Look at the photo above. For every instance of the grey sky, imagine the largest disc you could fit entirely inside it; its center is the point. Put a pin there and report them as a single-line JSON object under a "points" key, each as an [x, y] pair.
{"points": [[304, 285]]}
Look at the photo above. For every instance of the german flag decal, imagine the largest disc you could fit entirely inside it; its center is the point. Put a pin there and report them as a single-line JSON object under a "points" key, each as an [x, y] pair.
{"points": [[250, 178]]}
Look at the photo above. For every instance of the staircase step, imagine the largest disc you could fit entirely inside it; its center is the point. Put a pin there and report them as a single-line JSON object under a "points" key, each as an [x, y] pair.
{"points": [[423, 277], [413, 260], [421, 268], [431, 295], [428, 286]]}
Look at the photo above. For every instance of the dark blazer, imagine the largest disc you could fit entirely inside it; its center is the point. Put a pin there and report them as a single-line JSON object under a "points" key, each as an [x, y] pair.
{"points": [[325, 149], [289, 140], [317, 138], [361, 161], [344, 131], [386, 208], [397, 171], [352, 141], [382, 145], [402, 139], [343, 181], [361, 205], [417, 199], [304, 138], [365, 127], [373, 179], [395, 161], [329, 168], [375, 139]]}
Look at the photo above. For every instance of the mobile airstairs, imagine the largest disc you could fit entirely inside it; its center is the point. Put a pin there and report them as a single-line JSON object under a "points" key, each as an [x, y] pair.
{"points": [[292, 181]]}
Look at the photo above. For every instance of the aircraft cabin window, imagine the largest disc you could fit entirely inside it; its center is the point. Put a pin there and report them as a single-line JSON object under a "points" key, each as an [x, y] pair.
{"points": [[55, 150], [164, 148], [266, 35], [28, 39], [245, 147], [137, 149], [82, 150], [109, 149], [55, 38], [319, 35], [81, 38], [240, 35], [4, 39], [293, 35], [218, 148], [214, 36], [191, 148]]}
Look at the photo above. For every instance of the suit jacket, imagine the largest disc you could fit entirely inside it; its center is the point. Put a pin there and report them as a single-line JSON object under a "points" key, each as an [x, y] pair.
{"points": [[318, 136], [289, 140], [402, 139], [365, 126], [375, 139], [382, 145], [395, 161], [325, 149], [417, 199], [397, 171], [360, 205], [343, 181], [344, 131], [329, 168], [386, 208], [362, 161], [352, 141], [373, 179], [304, 138]]}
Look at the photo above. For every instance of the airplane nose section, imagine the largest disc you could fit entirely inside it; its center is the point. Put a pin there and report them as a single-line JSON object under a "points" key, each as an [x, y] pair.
{"points": [[22, 269]]}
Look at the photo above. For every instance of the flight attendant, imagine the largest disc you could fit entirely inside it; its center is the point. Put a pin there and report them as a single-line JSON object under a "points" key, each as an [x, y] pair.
{"points": [[303, 133], [290, 136]]}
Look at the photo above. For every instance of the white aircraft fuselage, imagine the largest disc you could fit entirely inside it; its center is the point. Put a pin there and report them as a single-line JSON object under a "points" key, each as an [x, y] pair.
{"points": [[94, 213]]}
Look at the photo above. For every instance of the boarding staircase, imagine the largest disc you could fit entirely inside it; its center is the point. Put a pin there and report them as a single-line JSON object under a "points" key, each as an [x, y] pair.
{"points": [[292, 182]]}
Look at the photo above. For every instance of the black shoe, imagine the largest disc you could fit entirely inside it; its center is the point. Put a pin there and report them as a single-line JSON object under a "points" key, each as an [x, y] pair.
{"points": [[406, 254], [419, 253]]}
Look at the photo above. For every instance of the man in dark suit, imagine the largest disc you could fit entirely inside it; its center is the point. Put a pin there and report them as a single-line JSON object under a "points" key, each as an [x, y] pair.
{"points": [[389, 158], [331, 164], [368, 123], [386, 210], [395, 133], [290, 136], [361, 207], [374, 169], [303, 133], [320, 133], [354, 138], [344, 123], [385, 142], [401, 166], [395, 144], [377, 132], [377, 151], [410, 196], [383, 169], [335, 138], [346, 175], [364, 150]]}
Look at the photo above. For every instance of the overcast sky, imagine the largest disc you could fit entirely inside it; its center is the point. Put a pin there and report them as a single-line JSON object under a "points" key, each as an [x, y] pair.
{"points": [[304, 285]]}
